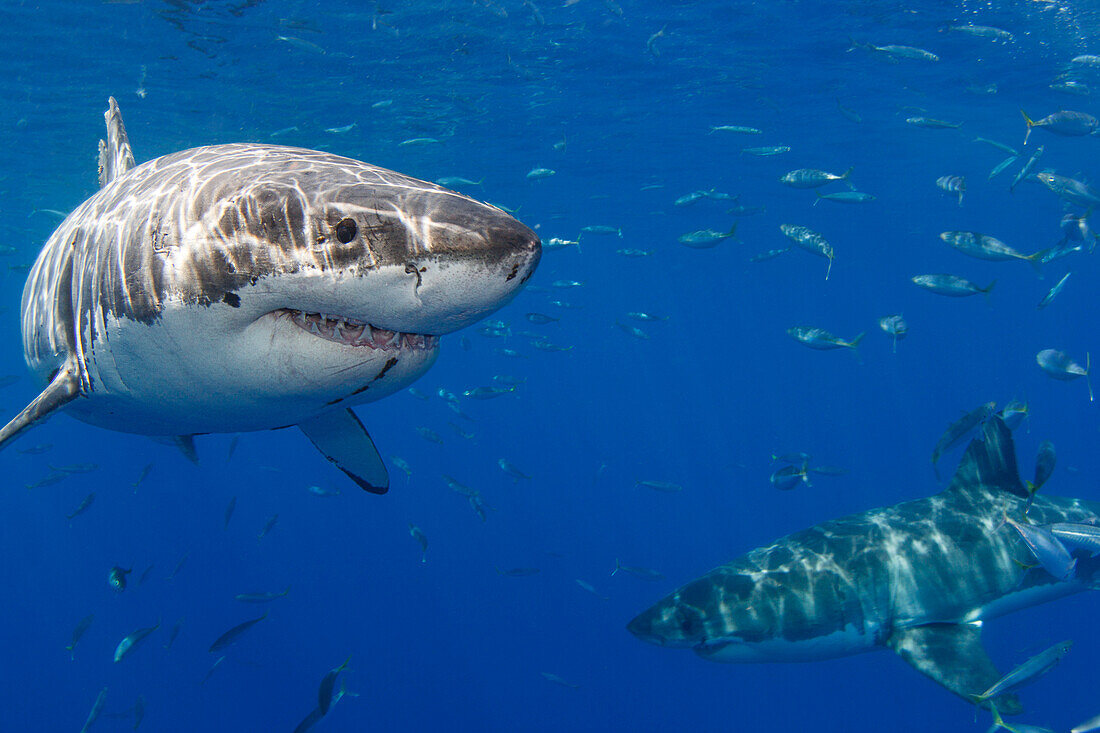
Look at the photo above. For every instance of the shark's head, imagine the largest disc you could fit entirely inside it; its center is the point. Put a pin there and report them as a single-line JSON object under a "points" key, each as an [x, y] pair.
{"points": [[738, 613], [283, 281]]}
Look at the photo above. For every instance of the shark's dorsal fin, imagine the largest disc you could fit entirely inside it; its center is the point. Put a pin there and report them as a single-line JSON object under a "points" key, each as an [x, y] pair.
{"points": [[990, 462], [953, 656], [115, 156]]}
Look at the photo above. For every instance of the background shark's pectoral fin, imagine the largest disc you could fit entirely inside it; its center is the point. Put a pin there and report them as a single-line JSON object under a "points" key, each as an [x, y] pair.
{"points": [[344, 441], [186, 444], [64, 387], [952, 655]]}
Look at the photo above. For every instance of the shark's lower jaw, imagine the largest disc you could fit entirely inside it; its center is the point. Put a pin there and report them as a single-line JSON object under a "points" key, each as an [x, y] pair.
{"points": [[356, 334]]}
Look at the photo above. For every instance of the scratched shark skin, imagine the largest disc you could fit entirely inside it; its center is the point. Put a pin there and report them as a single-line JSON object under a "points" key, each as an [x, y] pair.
{"points": [[913, 577]]}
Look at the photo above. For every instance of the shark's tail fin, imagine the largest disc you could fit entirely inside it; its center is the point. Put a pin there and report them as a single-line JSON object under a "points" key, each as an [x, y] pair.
{"points": [[990, 462]]}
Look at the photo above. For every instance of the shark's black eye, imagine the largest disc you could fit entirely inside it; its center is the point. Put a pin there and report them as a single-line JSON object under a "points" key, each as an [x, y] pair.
{"points": [[346, 230]]}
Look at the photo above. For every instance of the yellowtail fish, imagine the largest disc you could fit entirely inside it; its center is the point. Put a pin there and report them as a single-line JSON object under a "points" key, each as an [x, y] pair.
{"points": [[736, 129], [1053, 292], [986, 247], [767, 151], [1029, 671], [810, 241], [812, 178], [78, 634], [97, 707], [1057, 365], [895, 326], [950, 285], [845, 197], [952, 184], [932, 123], [230, 637], [130, 642], [706, 238], [666, 487], [1066, 123], [822, 340], [418, 534]]}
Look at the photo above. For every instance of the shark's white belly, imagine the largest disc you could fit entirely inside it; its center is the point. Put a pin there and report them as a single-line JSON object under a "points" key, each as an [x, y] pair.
{"points": [[177, 376]]}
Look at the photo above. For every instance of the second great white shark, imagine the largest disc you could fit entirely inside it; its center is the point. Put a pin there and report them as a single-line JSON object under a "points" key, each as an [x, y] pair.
{"points": [[918, 577], [246, 287]]}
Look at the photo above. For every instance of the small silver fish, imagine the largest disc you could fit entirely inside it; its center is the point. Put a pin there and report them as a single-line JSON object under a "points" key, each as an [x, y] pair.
{"points": [[960, 429], [429, 435], [83, 507], [418, 534], [952, 184], [1053, 292], [1000, 167], [1029, 671], [230, 637], [632, 330], [323, 491], [769, 254], [812, 178], [637, 571], [845, 197], [706, 238], [97, 707], [1029, 166], [78, 634], [767, 150], [790, 477], [895, 326], [736, 129], [539, 173], [666, 487], [950, 285], [1057, 365], [130, 642], [417, 141], [1014, 413], [810, 241], [266, 597], [1047, 549], [932, 123], [822, 340], [117, 578], [586, 586], [1066, 123], [510, 468]]}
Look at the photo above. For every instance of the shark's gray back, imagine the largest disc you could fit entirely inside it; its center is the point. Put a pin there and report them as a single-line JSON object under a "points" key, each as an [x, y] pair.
{"points": [[195, 226]]}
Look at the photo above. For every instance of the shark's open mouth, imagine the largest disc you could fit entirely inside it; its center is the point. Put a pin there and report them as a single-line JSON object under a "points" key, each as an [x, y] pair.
{"points": [[350, 332]]}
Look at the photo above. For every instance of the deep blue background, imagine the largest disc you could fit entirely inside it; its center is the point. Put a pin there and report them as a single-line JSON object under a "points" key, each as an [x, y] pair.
{"points": [[452, 644]]}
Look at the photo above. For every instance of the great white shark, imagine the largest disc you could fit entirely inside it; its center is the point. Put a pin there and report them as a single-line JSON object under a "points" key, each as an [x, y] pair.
{"points": [[247, 287], [918, 577]]}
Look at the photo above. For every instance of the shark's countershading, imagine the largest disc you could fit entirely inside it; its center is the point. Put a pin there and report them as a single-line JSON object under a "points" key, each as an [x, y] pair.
{"points": [[917, 577], [246, 287]]}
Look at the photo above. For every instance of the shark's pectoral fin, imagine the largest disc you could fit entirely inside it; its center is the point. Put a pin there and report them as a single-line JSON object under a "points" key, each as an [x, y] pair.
{"points": [[952, 655], [344, 441], [63, 388], [186, 444]]}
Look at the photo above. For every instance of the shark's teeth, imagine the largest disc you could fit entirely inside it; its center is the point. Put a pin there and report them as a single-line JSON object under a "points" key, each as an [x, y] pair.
{"points": [[350, 332]]}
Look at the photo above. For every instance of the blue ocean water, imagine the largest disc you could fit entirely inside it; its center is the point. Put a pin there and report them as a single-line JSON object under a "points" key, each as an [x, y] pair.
{"points": [[619, 99]]}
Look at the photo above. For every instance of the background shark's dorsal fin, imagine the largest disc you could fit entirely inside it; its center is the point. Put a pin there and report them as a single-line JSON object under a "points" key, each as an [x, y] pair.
{"points": [[115, 156], [990, 462]]}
